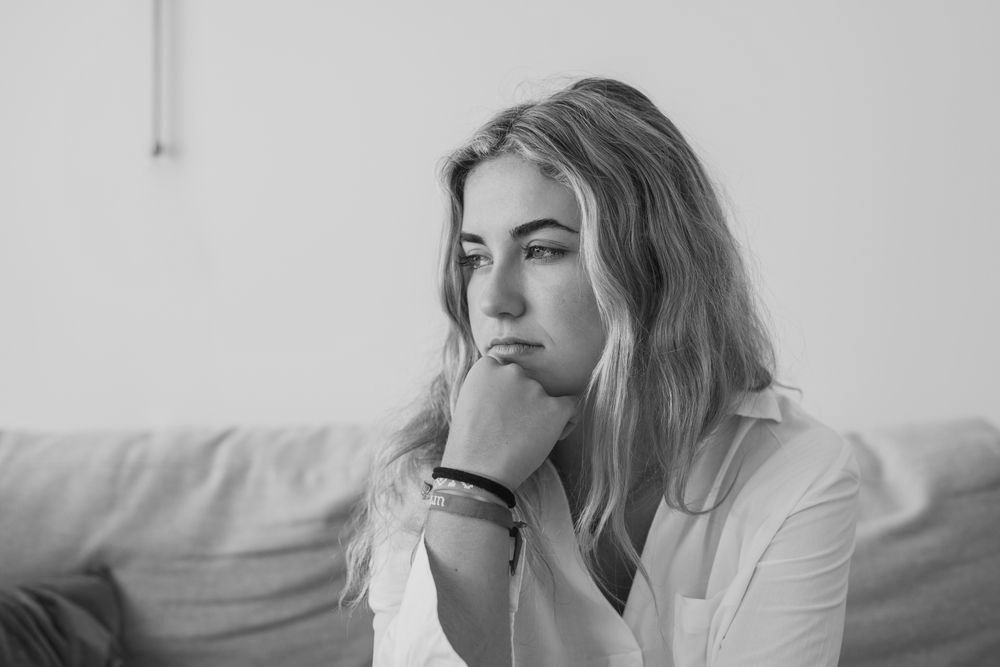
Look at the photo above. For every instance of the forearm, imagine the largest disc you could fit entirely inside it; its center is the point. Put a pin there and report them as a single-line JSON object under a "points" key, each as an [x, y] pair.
{"points": [[469, 559], [502, 428]]}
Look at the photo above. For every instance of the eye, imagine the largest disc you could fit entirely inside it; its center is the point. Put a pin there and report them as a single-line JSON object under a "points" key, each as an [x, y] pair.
{"points": [[542, 252], [473, 261]]}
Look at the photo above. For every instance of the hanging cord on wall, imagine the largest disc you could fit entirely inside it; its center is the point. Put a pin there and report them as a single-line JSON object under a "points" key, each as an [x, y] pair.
{"points": [[157, 78]]}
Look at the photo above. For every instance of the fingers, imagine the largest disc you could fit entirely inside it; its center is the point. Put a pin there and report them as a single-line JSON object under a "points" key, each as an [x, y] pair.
{"points": [[496, 360], [487, 360], [567, 406]]}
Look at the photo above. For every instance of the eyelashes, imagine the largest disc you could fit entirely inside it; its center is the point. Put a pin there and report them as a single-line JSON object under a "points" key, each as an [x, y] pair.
{"points": [[544, 252], [538, 253], [472, 261]]}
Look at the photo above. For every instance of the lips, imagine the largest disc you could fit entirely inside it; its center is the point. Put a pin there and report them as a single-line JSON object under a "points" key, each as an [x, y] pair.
{"points": [[506, 348], [511, 340]]}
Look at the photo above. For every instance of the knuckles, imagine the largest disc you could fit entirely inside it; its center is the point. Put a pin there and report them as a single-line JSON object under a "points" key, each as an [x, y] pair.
{"points": [[489, 375]]}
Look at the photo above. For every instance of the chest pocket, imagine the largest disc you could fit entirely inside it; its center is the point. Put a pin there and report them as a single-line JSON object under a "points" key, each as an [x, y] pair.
{"points": [[692, 623]]}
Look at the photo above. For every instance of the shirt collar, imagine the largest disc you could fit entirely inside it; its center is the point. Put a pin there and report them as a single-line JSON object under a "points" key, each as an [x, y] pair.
{"points": [[760, 405]]}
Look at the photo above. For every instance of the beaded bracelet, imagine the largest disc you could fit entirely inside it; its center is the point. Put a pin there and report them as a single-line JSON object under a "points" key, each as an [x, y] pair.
{"points": [[478, 509], [484, 483]]}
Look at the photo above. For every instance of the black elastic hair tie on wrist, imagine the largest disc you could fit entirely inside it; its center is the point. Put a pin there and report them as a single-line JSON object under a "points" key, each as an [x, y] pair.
{"points": [[497, 489]]}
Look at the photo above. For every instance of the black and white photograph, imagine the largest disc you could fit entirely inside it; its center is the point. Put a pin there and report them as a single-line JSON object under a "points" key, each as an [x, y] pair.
{"points": [[534, 333]]}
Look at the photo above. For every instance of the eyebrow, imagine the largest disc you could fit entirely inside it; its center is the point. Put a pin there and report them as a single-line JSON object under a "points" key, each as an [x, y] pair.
{"points": [[522, 230]]}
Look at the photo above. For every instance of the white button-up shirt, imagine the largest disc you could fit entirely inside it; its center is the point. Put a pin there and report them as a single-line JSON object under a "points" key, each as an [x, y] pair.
{"points": [[760, 580]]}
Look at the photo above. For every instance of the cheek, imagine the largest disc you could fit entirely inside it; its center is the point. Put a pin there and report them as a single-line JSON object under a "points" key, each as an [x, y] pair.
{"points": [[582, 321], [581, 341], [476, 317], [477, 323]]}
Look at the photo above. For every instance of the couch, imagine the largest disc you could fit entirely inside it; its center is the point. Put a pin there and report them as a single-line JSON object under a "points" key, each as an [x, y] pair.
{"points": [[224, 546]]}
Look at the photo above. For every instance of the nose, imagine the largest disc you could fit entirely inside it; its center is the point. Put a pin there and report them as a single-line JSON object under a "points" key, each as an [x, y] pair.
{"points": [[502, 293]]}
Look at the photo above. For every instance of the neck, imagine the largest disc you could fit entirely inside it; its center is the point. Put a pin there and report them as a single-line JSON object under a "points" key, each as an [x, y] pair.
{"points": [[568, 458], [640, 507]]}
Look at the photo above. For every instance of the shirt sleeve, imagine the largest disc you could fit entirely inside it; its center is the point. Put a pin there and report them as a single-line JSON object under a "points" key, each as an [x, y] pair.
{"points": [[793, 610], [404, 600]]}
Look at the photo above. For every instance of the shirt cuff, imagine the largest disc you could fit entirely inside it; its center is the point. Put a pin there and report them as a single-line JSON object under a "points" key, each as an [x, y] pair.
{"points": [[415, 636]]}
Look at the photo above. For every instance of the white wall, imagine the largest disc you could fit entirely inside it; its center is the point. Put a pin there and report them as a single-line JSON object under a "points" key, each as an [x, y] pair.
{"points": [[278, 266]]}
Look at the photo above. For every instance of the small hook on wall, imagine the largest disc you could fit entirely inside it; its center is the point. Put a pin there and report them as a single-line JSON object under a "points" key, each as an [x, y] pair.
{"points": [[157, 79]]}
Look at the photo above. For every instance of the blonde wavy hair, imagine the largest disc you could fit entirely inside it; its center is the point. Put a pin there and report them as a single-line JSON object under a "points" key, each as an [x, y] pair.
{"points": [[684, 340]]}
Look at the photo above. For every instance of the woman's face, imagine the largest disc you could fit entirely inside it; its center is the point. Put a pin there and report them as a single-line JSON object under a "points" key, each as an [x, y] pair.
{"points": [[530, 300]]}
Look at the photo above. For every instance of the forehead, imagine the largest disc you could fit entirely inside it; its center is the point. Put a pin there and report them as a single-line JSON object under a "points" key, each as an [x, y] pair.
{"points": [[508, 190]]}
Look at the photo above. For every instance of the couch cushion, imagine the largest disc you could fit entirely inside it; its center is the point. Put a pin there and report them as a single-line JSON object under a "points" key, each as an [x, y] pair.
{"points": [[925, 579], [69, 621], [225, 544]]}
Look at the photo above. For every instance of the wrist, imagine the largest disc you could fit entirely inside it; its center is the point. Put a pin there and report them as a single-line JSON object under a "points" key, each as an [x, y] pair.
{"points": [[479, 468], [458, 478]]}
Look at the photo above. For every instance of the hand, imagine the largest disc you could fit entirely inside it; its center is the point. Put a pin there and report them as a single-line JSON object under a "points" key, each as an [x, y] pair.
{"points": [[505, 424]]}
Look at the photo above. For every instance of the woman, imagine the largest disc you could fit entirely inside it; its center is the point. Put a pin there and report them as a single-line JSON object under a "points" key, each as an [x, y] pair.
{"points": [[606, 374]]}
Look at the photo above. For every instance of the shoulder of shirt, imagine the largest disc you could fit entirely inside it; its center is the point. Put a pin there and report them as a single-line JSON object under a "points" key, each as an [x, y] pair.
{"points": [[402, 515], [783, 440], [395, 543]]}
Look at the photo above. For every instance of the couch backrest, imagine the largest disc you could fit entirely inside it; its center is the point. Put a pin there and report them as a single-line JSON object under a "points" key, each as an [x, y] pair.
{"points": [[224, 543], [925, 578], [227, 544]]}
